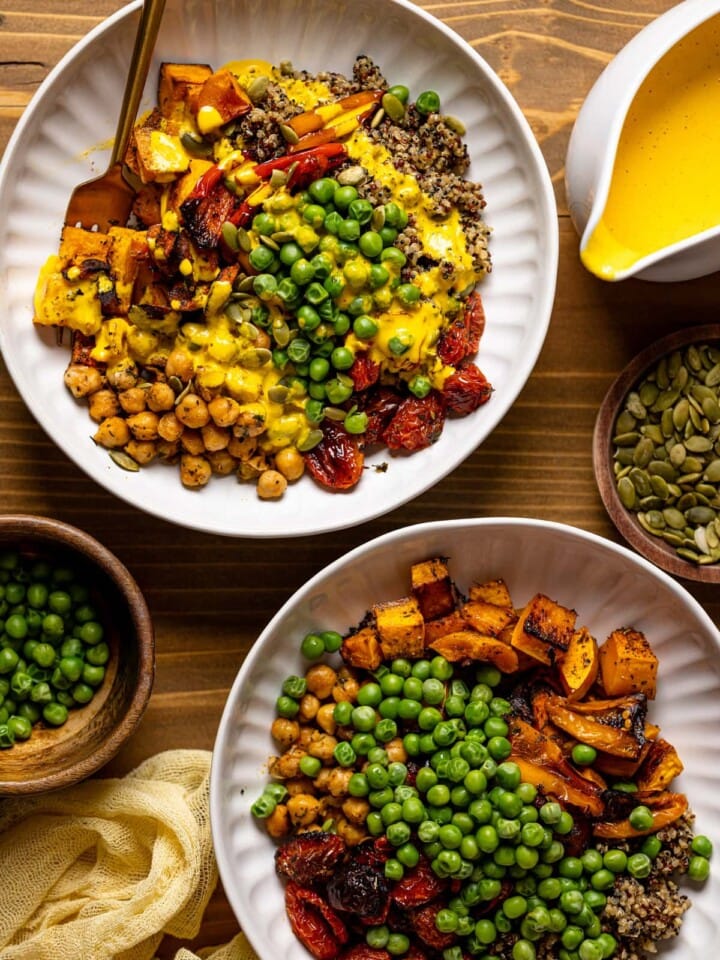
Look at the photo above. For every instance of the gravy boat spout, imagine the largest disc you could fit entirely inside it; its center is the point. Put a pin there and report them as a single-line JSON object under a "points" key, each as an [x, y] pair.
{"points": [[641, 168]]}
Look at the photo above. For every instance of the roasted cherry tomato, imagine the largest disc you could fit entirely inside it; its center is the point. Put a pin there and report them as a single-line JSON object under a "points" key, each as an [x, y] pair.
{"points": [[314, 922], [465, 390], [337, 461], [416, 424]]}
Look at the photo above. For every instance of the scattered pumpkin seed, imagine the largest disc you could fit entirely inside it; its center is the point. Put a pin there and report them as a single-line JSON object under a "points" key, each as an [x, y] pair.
{"points": [[243, 239], [124, 460], [378, 116], [352, 176], [393, 107], [196, 145], [257, 88], [455, 124]]}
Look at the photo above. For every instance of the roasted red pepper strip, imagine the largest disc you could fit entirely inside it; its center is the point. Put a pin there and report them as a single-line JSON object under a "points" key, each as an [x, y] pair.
{"points": [[207, 183], [263, 170]]}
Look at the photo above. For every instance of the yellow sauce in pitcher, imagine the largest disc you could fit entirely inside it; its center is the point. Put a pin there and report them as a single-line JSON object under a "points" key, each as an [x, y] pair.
{"points": [[665, 184]]}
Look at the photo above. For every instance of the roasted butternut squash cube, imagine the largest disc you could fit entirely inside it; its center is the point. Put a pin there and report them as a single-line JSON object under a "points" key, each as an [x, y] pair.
{"points": [[434, 629], [468, 645], [432, 588], [161, 157], [362, 649], [179, 88], [127, 249], [220, 100], [544, 629], [578, 665], [628, 664], [487, 618], [491, 591], [401, 628], [78, 246]]}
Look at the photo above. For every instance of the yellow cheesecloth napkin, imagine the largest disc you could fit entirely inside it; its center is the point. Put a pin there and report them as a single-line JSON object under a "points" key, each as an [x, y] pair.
{"points": [[104, 869]]}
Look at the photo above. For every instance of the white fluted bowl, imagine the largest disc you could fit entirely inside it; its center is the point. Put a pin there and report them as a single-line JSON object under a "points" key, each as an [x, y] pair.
{"points": [[608, 586], [62, 140]]}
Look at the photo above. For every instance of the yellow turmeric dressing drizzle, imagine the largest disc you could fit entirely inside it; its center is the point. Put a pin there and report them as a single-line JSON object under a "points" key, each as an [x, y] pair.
{"points": [[665, 185]]}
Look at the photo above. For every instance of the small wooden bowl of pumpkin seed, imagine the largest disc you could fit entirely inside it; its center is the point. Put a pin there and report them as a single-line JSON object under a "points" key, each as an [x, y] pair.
{"points": [[656, 453]]}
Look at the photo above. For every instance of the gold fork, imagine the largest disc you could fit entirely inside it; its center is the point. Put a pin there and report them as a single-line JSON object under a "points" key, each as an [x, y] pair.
{"points": [[107, 200]]}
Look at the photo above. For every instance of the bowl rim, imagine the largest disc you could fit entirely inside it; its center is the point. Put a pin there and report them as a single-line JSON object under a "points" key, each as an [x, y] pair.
{"points": [[56, 532], [321, 521], [393, 538], [651, 548]]}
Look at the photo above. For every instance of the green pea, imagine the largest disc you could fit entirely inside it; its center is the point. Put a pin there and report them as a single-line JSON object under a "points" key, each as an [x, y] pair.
{"points": [[349, 230], [8, 660], [264, 224], [16, 627], [344, 196], [427, 102], [615, 861], [15, 593], [702, 846], [371, 246], [261, 258], [583, 755], [265, 286], [399, 91], [302, 272], [314, 214], [341, 358], [323, 190], [341, 325], [407, 293], [639, 865], [55, 714], [338, 392], [82, 693], [356, 422], [98, 655], [308, 318], [698, 868], [641, 817]]}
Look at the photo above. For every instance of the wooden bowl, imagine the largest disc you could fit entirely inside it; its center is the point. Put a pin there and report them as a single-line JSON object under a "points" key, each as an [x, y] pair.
{"points": [[652, 548], [57, 757]]}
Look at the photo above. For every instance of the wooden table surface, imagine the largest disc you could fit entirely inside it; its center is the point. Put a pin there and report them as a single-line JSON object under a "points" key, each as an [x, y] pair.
{"points": [[211, 596]]}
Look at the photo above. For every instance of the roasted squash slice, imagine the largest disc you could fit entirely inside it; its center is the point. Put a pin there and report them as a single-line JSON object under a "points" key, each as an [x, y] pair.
{"points": [[491, 591], [487, 618], [434, 629], [628, 664], [179, 88], [468, 645], [362, 649], [578, 665], [666, 809], [614, 726], [544, 629], [660, 767]]}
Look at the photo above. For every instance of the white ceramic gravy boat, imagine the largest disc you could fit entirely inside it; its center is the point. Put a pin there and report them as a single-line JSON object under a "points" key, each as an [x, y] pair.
{"points": [[596, 134]]}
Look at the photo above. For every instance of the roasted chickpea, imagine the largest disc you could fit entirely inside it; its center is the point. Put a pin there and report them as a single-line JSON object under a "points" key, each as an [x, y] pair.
{"points": [[346, 687], [250, 421], [143, 451], [195, 471], [288, 765], [180, 364], [351, 834], [144, 426], [396, 750], [192, 442], [133, 400], [168, 450], [271, 485], [322, 746], [290, 463], [338, 781], [356, 810], [112, 433], [214, 437], [251, 468], [325, 719], [221, 462], [298, 785], [103, 404], [309, 706], [278, 823], [320, 679], [160, 397], [224, 411], [242, 449], [82, 380], [123, 375], [192, 411], [169, 427], [285, 731], [303, 809]]}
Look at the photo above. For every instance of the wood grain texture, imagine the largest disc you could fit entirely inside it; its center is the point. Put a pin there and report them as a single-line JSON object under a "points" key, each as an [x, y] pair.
{"points": [[210, 597]]}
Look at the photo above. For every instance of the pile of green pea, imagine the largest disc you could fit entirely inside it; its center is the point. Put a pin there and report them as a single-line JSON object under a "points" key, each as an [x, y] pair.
{"points": [[471, 815], [342, 252], [52, 652]]}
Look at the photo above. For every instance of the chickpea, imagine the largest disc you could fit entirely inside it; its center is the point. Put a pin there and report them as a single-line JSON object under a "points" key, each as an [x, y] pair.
{"points": [[306, 736], [250, 421], [325, 719], [112, 433], [123, 375], [338, 781], [346, 688], [195, 471], [192, 411], [351, 834], [191, 441], [309, 706], [298, 785], [180, 364], [160, 397], [144, 426], [278, 823], [242, 449], [290, 463], [251, 468], [169, 427], [133, 400], [321, 780], [221, 462], [143, 451], [215, 438], [288, 765], [82, 380], [356, 809], [320, 679], [168, 450], [224, 411], [396, 750], [103, 404], [271, 485], [322, 746], [285, 731], [303, 809]]}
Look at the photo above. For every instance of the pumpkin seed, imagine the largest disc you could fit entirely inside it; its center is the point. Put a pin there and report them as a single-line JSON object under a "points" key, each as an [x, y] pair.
{"points": [[653, 431], [713, 376], [176, 384], [711, 409], [674, 518], [662, 468], [656, 519], [648, 393], [680, 414], [698, 444], [712, 536], [712, 472], [195, 145], [700, 515], [693, 465], [377, 222], [124, 460], [255, 358], [269, 242], [645, 524], [693, 358], [245, 285], [626, 439], [352, 176], [651, 502], [626, 492], [243, 239], [635, 406], [687, 554], [455, 124], [686, 501], [258, 87], [674, 363], [311, 440], [659, 487], [625, 421], [378, 117], [680, 380], [677, 454], [234, 311], [393, 107], [688, 479], [230, 235], [278, 393], [643, 452], [674, 539]]}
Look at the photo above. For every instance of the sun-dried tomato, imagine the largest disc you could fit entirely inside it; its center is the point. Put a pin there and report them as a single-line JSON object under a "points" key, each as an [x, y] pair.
{"points": [[380, 405], [361, 951], [358, 888], [419, 886], [414, 953], [465, 390], [364, 372], [423, 921], [461, 338], [314, 922], [416, 424], [337, 461], [375, 852], [310, 857]]}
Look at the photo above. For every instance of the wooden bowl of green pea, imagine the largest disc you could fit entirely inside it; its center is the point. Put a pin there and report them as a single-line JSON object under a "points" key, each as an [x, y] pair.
{"points": [[77, 655], [656, 453]]}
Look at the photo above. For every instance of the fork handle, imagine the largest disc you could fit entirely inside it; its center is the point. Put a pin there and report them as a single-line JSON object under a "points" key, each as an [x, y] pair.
{"points": [[145, 38]]}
